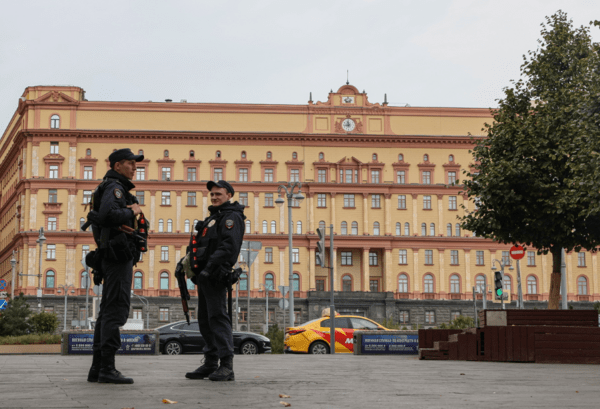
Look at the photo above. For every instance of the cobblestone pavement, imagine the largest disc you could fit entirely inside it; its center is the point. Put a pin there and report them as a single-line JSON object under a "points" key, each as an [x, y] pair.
{"points": [[339, 381]]}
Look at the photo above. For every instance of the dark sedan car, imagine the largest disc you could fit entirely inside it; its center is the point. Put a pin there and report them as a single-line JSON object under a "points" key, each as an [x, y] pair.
{"points": [[180, 338]]}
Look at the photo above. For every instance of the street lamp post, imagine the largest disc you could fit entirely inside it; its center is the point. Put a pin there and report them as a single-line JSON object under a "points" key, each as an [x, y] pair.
{"points": [[289, 193], [41, 239], [65, 288], [13, 264], [267, 308]]}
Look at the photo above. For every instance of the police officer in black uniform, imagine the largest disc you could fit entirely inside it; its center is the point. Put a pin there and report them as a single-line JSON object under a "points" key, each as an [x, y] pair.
{"points": [[115, 257], [216, 248]]}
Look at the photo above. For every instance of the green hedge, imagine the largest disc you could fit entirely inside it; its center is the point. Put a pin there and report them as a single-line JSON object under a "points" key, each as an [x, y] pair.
{"points": [[30, 339]]}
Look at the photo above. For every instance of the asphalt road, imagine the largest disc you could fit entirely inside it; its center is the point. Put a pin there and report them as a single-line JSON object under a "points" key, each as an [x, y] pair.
{"points": [[340, 381]]}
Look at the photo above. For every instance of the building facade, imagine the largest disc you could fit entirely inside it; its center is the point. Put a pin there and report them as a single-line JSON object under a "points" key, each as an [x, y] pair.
{"points": [[387, 179]]}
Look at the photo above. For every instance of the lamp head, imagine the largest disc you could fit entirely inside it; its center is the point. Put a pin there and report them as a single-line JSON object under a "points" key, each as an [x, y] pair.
{"points": [[493, 267], [279, 202], [299, 198], [41, 238]]}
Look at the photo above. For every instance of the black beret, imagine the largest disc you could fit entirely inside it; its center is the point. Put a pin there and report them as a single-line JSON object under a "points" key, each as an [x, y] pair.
{"points": [[123, 154], [222, 184]]}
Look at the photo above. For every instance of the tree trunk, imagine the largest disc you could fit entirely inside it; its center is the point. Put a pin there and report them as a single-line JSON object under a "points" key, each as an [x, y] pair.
{"points": [[555, 279]]}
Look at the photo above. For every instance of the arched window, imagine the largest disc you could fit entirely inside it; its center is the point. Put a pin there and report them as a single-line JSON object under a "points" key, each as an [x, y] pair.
{"points": [[374, 157], [296, 281], [186, 226], [294, 155], [376, 229], [195, 223], [50, 279], [355, 228], [423, 229], [428, 284], [507, 283], [170, 226], [161, 225], [218, 154], [269, 155], [138, 279], [398, 229], [432, 229], [88, 152], [346, 283], [321, 224], [451, 158], [457, 230], [531, 285], [265, 228], [192, 154], [55, 122], [243, 154], [403, 283], [273, 227], [480, 284], [269, 281], [407, 229], [344, 228], [166, 153], [164, 281], [449, 230], [82, 280], [248, 227], [400, 157], [81, 222], [141, 152], [299, 227], [321, 155], [454, 284], [243, 284], [425, 158], [582, 286]]}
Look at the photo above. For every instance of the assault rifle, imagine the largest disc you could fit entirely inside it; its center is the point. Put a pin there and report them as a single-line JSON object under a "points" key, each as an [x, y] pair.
{"points": [[183, 291]]}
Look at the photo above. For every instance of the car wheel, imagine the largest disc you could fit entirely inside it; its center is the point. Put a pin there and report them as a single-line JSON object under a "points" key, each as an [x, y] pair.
{"points": [[173, 348], [319, 347], [249, 348]]}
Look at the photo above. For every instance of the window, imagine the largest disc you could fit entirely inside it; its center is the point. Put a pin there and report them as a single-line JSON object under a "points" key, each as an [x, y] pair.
{"points": [[582, 286], [400, 157], [348, 200], [581, 259], [401, 201], [454, 257], [403, 283], [451, 202], [454, 284], [137, 314], [54, 122], [51, 251], [81, 222], [425, 158], [140, 173], [354, 231], [52, 196], [52, 222], [295, 175], [243, 175], [407, 229], [402, 256], [273, 227], [161, 225], [374, 157], [346, 283], [346, 258], [398, 229], [163, 314], [166, 173], [449, 230], [375, 176], [451, 178], [164, 253], [321, 156], [376, 201], [296, 282], [141, 152], [531, 258], [243, 283], [348, 175], [427, 202], [374, 286], [321, 224], [248, 227], [344, 228], [295, 255], [403, 317], [506, 283], [268, 199], [268, 254], [429, 317], [401, 177], [373, 261], [87, 196], [376, 229], [191, 174], [322, 175], [268, 175], [138, 280], [531, 285], [85, 249], [50, 275], [166, 153], [169, 226], [428, 257], [218, 174], [428, 284], [321, 200], [432, 229], [479, 258], [164, 281], [320, 284], [505, 258], [191, 199], [265, 227], [269, 281], [457, 230], [294, 155], [88, 172], [269, 155], [140, 197], [480, 284], [454, 315], [243, 198], [88, 152], [423, 229], [426, 177], [53, 172], [166, 199]]}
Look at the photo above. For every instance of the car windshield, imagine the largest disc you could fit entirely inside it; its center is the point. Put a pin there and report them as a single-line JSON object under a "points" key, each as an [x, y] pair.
{"points": [[340, 322], [185, 327], [361, 323]]}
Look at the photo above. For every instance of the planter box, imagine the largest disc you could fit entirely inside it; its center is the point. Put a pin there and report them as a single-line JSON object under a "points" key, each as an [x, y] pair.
{"points": [[31, 349]]}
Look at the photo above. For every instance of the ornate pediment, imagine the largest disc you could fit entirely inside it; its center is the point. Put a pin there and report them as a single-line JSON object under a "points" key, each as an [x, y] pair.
{"points": [[352, 161], [56, 97]]}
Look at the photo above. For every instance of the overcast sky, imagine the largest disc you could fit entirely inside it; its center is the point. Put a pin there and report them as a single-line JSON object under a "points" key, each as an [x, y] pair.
{"points": [[454, 53]]}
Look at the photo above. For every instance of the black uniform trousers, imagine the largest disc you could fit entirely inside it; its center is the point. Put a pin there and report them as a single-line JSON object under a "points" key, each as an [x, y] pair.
{"points": [[213, 319], [114, 306]]}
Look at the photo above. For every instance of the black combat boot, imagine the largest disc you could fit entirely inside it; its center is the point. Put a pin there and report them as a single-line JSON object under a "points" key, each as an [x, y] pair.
{"points": [[225, 371], [95, 369], [211, 363], [108, 372]]}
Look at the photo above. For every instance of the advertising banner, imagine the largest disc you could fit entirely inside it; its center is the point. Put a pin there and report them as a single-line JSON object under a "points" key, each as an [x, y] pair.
{"points": [[131, 344], [390, 344]]}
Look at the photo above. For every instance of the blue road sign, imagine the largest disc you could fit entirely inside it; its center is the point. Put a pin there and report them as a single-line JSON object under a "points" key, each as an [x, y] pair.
{"points": [[2, 284], [3, 304]]}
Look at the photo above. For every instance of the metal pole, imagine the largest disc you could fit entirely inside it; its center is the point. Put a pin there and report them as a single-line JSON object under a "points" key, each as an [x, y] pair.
{"points": [[291, 271], [39, 291], [87, 295], [563, 279], [248, 286], [66, 290], [475, 305], [267, 310], [237, 293], [13, 263], [502, 298], [519, 290], [484, 292], [331, 303]]}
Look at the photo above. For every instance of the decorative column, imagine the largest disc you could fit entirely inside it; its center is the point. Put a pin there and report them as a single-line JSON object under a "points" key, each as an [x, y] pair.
{"points": [[35, 159], [415, 219], [71, 264], [152, 210], [442, 282], [311, 214], [151, 266], [440, 205], [72, 210], [282, 222], [388, 279], [178, 214], [33, 209], [204, 204], [366, 274], [256, 275], [468, 283], [256, 212], [388, 214], [365, 214], [282, 265], [32, 264], [72, 159], [311, 269], [416, 279]]}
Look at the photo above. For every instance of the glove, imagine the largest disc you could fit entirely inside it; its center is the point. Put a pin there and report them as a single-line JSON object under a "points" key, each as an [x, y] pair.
{"points": [[204, 274], [98, 277]]}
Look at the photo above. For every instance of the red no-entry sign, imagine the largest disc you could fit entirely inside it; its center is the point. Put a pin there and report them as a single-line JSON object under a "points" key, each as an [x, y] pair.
{"points": [[517, 252]]}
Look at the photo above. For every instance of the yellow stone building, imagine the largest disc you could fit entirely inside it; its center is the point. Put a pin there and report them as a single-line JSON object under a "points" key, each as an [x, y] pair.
{"points": [[387, 179]]}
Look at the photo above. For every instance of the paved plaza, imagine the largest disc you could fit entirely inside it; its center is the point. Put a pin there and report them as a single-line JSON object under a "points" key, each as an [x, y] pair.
{"points": [[340, 381]]}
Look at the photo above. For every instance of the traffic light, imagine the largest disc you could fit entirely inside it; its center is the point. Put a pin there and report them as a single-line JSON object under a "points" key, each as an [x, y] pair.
{"points": [[498, 291], [320, 254]]}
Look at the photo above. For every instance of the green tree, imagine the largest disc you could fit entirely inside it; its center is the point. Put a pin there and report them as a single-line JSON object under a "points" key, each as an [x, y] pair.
{"points": [[13, 321], [276, 336], [532, 183], [44, 322], [460, 322]]}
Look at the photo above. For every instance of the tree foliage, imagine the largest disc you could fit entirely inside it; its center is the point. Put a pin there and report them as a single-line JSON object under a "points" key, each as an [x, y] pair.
{"points": [[43, 323], [533, 183], [276, 336], [460, 322], [13, 321]]}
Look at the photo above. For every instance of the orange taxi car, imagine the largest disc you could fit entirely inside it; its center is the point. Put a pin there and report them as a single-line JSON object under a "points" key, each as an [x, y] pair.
{"points": [[313, 337]]}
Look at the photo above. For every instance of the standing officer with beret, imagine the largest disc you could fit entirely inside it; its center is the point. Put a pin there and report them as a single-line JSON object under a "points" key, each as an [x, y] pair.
{"points": [[115, 257], [216, 247]]}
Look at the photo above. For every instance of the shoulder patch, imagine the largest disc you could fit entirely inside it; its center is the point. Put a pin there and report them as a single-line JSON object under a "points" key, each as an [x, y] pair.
{"points": [[118, 193], [229, 223]]}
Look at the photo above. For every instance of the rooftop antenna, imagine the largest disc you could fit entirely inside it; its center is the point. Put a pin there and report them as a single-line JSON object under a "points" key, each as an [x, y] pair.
{"points": [[347, 77], [310, 99]]}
